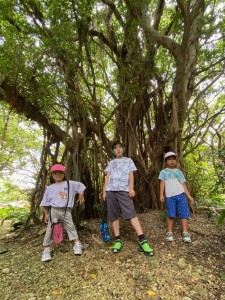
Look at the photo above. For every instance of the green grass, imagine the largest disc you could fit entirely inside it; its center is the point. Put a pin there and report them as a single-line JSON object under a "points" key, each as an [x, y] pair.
{"points": [[13, 213]]}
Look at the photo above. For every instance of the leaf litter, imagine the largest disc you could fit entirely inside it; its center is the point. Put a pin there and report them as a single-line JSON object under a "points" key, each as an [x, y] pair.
{"points": [[178, 271]]}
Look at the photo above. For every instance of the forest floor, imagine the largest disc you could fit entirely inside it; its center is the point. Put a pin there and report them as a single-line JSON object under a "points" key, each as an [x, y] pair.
{"points": [[178, 271]]}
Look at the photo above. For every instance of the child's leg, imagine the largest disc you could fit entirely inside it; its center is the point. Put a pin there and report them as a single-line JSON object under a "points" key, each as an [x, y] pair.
{"points": [[113, 212], [69, 226], [143, 244], [128, 212], [184, 223], [170, 224], [48, 235], [171, 207], [46, 254], [53, 214], [183, 210], [184, 215], [136, 225], [117, 246], [113, 217], [185, 235], [72, 232], [116, 228]]}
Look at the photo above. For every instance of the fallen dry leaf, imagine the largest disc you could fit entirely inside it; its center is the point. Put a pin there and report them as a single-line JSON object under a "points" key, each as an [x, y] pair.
{"points": [[93, 276], [151, 293], [56, 292]]}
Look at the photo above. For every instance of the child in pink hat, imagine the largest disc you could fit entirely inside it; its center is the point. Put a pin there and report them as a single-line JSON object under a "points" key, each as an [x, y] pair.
{"points": [[58, 201]]}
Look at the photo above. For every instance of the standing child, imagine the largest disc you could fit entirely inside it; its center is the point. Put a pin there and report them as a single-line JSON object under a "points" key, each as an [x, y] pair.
{"points": [[57, 205], [172, 184], [118, 191]]}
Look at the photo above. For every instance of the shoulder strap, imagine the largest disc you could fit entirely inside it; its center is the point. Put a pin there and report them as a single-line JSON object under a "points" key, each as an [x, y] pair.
{"points": [[68, 196], [49, 212]]}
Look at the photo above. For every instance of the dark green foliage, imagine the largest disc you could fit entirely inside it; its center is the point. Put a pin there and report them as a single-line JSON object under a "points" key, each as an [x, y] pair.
{"points": [[164, 215], [142, 208]]}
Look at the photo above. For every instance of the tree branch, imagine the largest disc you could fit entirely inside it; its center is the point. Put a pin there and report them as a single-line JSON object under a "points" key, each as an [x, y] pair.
{"points": [[163, 40], [32, 112], [112, 6], [158, 13], [104, 40]]}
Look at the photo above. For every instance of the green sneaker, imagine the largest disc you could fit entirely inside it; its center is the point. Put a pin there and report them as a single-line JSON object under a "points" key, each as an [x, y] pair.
{"points": [[144, 247], [117, 246]]}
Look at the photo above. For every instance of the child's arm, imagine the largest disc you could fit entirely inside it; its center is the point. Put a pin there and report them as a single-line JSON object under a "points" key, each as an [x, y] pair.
{"points": [[46, 211], [80, 199], [187, 192], [105, 185], [131, 185], [161, 190]]}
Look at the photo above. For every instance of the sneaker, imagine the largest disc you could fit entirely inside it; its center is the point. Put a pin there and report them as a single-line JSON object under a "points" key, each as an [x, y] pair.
{"points": [[186, 237], [46, 255], [77, 248], [169, 236], [144, 247], [117, 246]]}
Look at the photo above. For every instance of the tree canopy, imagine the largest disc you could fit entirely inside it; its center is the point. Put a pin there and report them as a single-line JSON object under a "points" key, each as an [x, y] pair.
{"points": [[148, 73]]}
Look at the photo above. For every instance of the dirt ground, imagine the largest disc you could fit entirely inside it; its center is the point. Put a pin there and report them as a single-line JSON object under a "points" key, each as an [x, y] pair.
{"points": [[178, 271]]}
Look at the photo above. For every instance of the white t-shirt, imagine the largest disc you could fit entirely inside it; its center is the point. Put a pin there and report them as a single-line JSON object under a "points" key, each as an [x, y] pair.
{"points": [[119, 170], [173, 181], [56, 195]]}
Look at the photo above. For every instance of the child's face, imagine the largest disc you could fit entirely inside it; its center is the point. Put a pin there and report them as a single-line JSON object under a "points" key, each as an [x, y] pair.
{"points": [[58, 176], [171, 162], [118, 150]]}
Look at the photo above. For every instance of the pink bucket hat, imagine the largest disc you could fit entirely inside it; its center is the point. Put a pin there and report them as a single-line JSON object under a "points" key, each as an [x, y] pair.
{"points": [[58, 167]]}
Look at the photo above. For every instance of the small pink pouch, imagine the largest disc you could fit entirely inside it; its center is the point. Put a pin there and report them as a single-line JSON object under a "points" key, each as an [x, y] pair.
{"points": [[57, 232]]}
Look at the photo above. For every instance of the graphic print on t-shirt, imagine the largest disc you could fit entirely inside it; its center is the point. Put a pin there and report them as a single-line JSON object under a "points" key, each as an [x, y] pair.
{"points": [[63, 195], [173, 181], [119, 170]]}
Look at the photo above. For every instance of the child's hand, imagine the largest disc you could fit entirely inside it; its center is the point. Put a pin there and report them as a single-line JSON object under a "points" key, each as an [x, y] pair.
{"points": [[162, 198], [191, 199], [131, 193], [80, 199], [46, 218], [104, 195]]}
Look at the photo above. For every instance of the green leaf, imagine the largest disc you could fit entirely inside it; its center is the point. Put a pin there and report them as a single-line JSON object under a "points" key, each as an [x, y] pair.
{"points": [[221, 217]]}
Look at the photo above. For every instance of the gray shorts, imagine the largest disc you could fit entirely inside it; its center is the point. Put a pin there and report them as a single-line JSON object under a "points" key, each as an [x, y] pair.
{"points": [[117, 203]]}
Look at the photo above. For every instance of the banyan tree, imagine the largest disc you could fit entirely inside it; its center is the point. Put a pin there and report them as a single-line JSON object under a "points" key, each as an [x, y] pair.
{"points": [[90, 72]]}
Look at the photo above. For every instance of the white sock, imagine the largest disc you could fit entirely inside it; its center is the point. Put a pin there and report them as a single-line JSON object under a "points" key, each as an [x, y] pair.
{"points": [[77, 242]]}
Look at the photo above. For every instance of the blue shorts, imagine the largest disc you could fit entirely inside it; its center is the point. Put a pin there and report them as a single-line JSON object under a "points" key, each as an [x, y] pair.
{"points": [[177, 206]]}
